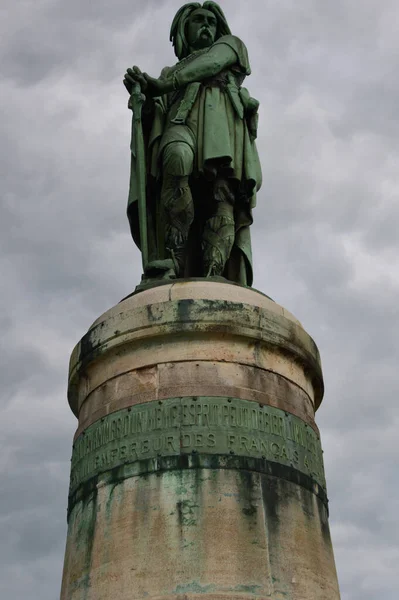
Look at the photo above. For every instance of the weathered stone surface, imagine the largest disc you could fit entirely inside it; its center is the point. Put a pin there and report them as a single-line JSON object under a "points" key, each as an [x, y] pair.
{"points": [[134, 335], [197, 470], [200, 533], [195, 378]]}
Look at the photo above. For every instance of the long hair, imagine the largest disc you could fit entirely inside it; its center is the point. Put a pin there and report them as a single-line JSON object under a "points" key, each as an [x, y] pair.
{"points": [[178, 29]]}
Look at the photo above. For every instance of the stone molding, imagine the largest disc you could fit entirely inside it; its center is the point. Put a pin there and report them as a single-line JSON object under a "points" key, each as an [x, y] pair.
{"points": [[188, 321]]}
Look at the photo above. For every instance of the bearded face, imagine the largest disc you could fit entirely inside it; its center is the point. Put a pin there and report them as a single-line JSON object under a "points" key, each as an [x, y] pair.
{"points": [[201, 29]]}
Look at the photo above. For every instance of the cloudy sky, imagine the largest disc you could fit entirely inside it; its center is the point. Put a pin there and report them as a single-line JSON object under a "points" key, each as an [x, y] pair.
{"points": [[325, 242]]}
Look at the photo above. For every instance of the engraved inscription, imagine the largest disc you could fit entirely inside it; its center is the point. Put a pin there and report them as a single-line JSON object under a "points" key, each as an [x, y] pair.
{"points": [[204, 425]]}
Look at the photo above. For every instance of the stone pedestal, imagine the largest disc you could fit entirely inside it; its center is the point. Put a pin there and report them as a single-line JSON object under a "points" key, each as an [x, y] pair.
{"points": [[197, 469]]}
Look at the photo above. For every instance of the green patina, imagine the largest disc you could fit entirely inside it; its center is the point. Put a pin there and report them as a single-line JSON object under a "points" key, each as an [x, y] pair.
{"points": [[206, 465], [185, 427], [196, 317], [194, 587], [248, 589], [187, 512], [195, 170], [85, 522]]}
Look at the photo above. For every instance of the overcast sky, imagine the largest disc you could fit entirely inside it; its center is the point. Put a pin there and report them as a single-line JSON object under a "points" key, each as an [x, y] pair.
{"points": [[325, 243]]}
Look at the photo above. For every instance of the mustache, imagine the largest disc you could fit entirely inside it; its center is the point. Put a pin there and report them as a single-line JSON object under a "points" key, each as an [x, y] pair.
{"points": [[206, 30]]}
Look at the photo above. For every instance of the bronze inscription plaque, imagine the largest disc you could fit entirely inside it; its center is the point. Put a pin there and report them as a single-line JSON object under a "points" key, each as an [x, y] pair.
{"points": [[216, 425]]}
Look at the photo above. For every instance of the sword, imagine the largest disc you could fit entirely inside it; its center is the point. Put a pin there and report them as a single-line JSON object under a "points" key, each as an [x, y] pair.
{"points": [[137, 149]]}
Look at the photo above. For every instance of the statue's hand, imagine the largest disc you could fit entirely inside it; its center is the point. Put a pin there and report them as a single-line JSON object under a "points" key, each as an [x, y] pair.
{"points": [[133, 76], [156, 87]]}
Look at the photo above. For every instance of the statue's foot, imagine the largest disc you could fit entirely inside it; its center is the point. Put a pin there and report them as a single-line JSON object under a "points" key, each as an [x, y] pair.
{"points": [[217, 242], [159, 270], [212, 271]]}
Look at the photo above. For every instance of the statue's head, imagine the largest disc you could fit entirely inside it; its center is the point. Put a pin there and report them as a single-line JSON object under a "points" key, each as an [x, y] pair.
{"points": [[197, 26]]}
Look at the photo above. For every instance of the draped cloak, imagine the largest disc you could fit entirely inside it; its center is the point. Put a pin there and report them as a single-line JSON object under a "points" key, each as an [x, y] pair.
{"points": [[217, 118]]}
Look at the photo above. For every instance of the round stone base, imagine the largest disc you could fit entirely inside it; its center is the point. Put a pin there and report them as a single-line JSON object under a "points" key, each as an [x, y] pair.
{"points": [[197, 469]]}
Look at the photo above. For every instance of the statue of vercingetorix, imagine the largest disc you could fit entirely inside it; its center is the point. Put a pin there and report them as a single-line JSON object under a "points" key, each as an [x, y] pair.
{"points": [[195, 169]]}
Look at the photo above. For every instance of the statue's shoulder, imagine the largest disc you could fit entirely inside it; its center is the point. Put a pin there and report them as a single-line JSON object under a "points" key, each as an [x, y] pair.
{"points": [[239, 48], [231, 40]]}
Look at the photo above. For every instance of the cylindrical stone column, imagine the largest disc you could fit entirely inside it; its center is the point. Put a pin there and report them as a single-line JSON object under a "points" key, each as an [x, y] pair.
{"points": [[197, 469]]}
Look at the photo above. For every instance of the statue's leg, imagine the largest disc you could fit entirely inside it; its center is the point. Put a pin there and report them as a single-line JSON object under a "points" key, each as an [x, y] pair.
{"points": [[177, 201], [219, 230]]}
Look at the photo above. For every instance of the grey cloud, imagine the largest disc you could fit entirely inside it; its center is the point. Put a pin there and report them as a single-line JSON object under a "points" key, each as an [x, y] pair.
{"points": [[324, 237]]}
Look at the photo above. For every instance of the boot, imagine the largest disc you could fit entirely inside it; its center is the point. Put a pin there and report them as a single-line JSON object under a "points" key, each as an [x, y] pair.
{"points": [[217, 242], [176, 243]]}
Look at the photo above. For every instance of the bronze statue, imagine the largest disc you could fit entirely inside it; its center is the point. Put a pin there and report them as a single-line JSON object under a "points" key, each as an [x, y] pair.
{"points": [[195, 169]]}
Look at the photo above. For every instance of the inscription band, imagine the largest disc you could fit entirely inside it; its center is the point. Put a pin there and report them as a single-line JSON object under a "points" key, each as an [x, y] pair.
{"points": [[190, 425]]}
